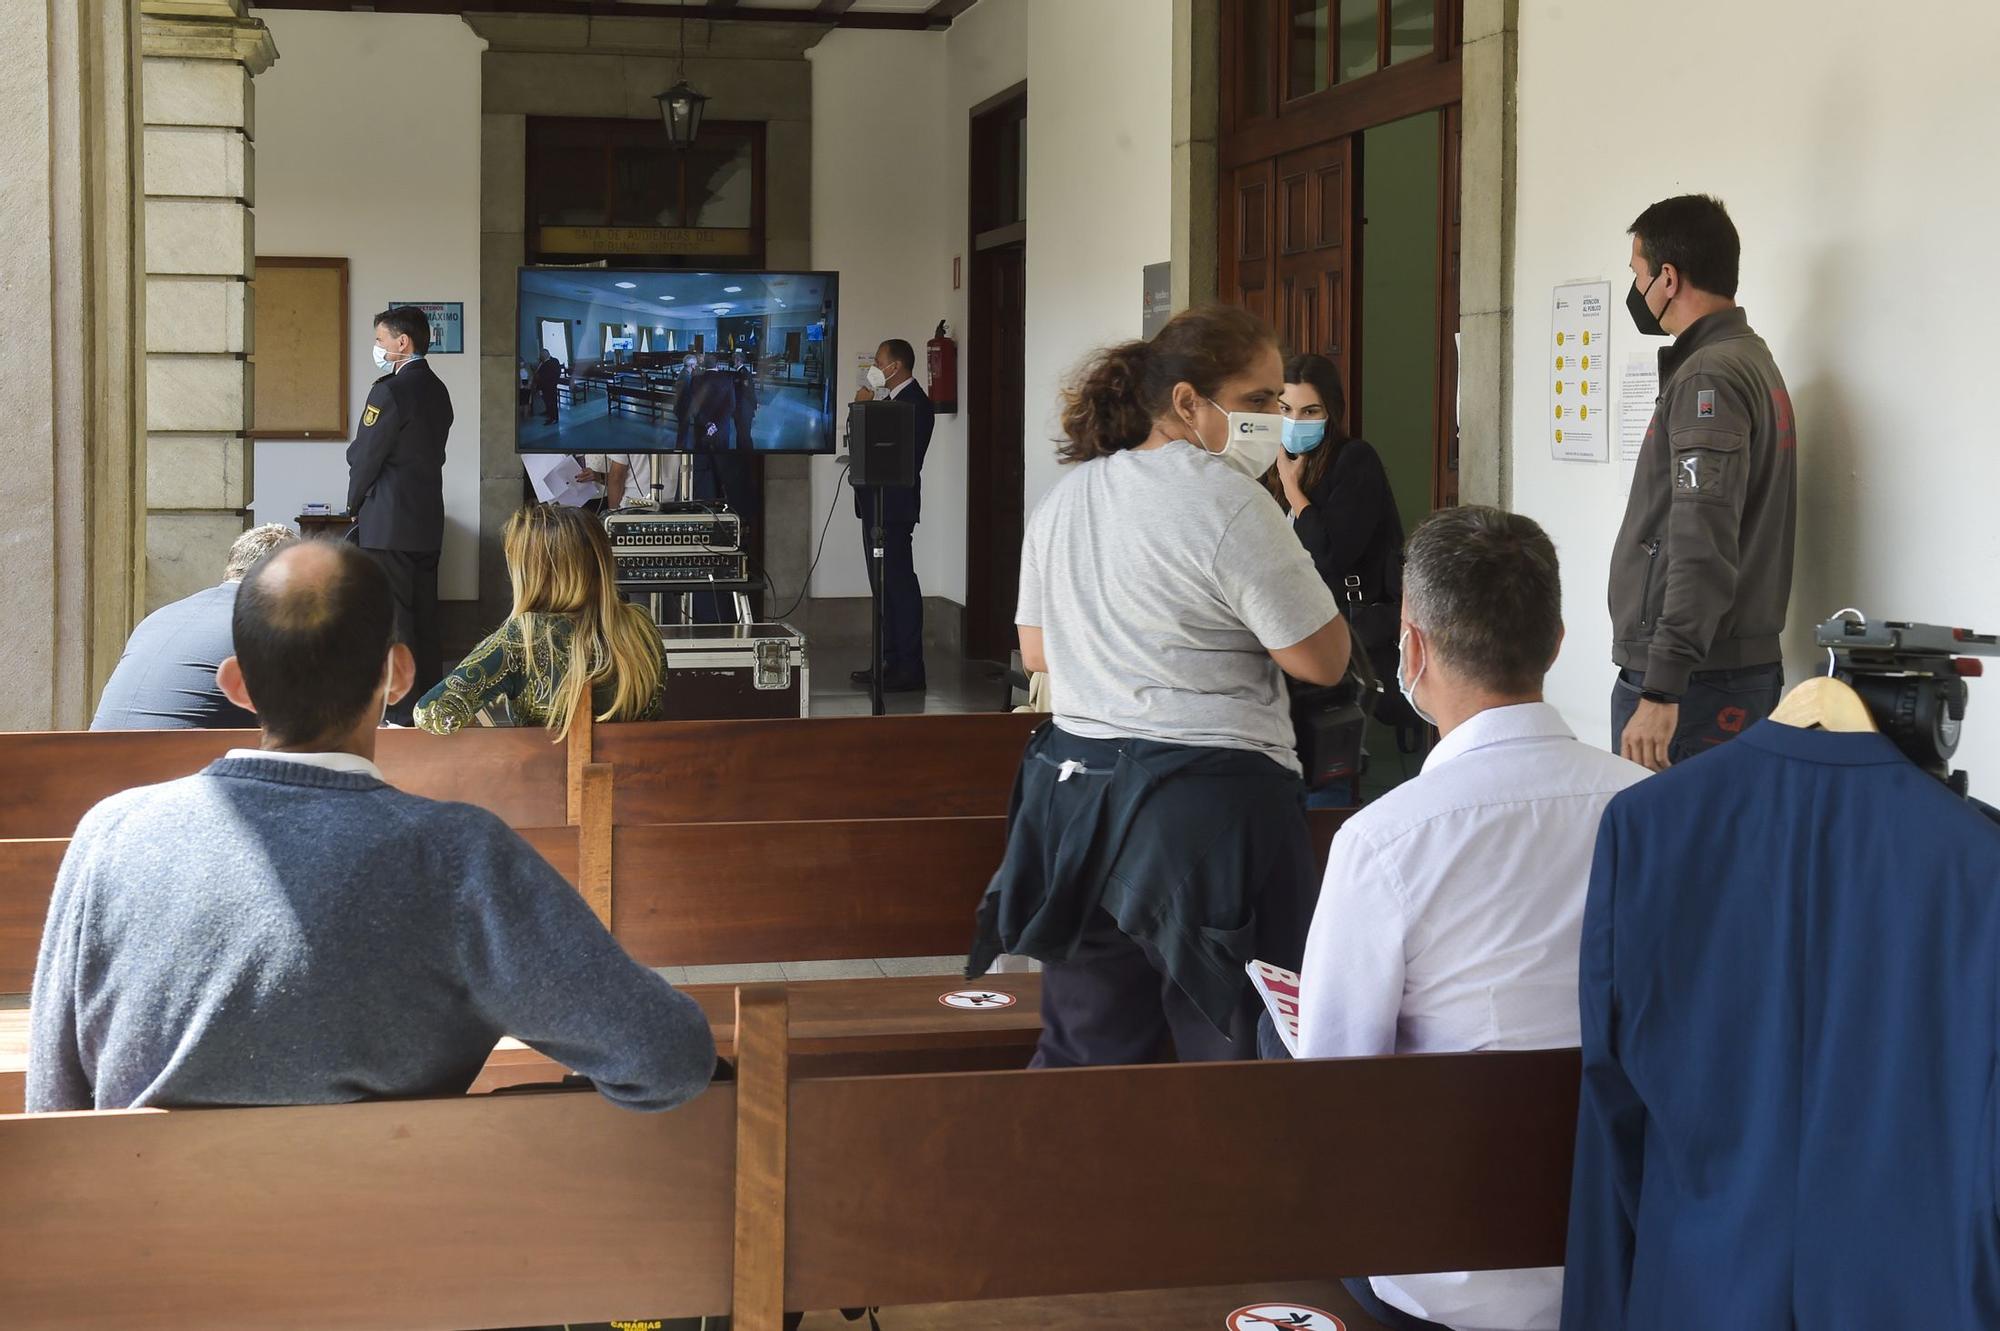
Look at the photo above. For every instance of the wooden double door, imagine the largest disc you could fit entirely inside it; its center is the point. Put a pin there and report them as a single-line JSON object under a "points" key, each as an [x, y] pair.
{"points": [[1289, 254]]}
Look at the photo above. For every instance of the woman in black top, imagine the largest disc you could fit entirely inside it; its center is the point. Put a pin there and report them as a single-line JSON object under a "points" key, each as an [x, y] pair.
{"points": [[1343, 510]]}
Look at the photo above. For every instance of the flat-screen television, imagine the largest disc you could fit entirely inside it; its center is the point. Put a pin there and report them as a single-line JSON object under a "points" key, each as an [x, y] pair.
{"points": [[652, 360]]}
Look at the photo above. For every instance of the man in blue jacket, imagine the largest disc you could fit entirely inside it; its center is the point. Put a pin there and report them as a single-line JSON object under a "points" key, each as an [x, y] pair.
{"points": [[890, 380]]}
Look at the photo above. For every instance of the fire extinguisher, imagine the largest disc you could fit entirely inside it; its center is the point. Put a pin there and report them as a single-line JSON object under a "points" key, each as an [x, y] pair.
{"points": [[943, 385]]}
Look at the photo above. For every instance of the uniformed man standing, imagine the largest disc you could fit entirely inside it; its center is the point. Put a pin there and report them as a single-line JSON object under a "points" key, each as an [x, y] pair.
{"points": [[1702, 569], [395, 485]]}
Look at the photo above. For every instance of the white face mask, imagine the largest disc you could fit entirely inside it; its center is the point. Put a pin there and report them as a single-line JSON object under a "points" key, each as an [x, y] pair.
{"points": [[1255, 439], [877, 381], [1409, 689], [383, 361]]}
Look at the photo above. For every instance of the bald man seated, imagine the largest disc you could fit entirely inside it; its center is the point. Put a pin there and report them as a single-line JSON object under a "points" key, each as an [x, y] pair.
{"points": [[284, 927]]}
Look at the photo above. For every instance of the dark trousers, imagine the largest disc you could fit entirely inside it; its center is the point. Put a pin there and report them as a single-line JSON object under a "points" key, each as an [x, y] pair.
{"points": [[1112, 1002], [731, 478], [413, 580], [548, 395], [1718, 706], [902, 602]]}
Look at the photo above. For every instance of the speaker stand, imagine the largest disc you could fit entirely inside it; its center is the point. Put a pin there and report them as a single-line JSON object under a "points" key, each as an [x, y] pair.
{"points": [[875, 552]]}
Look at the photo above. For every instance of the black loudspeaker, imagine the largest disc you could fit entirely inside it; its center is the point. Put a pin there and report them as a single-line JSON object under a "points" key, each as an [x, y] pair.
{"points": [[882, 443]]}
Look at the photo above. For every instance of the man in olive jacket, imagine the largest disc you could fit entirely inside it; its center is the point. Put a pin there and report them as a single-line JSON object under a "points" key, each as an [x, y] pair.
{"points": [[1702, 569]]}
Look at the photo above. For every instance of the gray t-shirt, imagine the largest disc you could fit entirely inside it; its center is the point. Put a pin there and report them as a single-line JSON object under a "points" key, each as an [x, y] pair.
{"points": [[1159, 579]]}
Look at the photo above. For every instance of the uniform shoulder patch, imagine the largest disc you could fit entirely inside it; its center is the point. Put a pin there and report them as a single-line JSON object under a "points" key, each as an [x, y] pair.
{"points": [[1700, 473], [370, 414], [1704, 404]]}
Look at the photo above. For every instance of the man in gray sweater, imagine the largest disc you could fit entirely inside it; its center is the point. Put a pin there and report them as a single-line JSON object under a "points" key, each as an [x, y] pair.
{"points": [[285, 928]]}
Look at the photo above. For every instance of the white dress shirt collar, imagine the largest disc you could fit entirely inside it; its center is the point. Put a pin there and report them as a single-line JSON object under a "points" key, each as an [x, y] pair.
{"points": [[1498, 725], [332, 762]]}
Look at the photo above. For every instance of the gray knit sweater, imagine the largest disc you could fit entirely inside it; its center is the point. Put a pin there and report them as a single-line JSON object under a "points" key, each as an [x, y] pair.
{"points": [[266, 933]]}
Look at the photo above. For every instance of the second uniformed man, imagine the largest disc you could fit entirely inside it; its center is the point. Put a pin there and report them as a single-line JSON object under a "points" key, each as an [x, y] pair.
{"points": [[395, 485], [1702, 569]]}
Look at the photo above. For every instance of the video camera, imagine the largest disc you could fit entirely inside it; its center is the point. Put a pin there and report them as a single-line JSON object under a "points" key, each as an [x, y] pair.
{"points": [[1912, 679]]}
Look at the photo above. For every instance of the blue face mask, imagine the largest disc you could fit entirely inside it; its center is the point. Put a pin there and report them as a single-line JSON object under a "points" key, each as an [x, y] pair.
{"points": [[1303, 436]]}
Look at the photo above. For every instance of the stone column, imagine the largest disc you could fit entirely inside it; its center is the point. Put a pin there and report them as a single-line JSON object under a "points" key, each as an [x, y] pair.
{"points": [[200, 56], [72, 452], [1197, 93], [1486, 254]]}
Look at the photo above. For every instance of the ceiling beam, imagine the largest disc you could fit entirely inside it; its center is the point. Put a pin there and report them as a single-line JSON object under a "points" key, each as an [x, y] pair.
{"points": [[834, 17], [833, 8], [722, 4], [943, 12]]}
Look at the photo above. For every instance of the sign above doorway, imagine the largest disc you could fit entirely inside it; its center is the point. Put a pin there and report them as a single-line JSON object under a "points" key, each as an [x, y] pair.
{"points": [[729, 242]]}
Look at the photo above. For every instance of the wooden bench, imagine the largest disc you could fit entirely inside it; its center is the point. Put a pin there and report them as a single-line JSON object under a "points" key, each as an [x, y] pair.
{"points": [[878, 838], [785, 1191]]}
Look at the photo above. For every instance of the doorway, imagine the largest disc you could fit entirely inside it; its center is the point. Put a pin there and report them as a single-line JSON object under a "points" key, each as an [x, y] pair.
{"points": [[1338, 216], [1399, 315], [996, 373], [555, 339]]}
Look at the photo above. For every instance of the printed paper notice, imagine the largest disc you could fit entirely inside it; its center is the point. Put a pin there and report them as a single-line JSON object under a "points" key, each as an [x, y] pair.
{"points": [[1579, 385], [1280, 991], [1637, 394], [554, 478]]}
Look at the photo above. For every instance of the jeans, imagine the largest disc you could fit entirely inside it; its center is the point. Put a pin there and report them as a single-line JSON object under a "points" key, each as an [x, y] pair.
{"points": [[1718, 706]]}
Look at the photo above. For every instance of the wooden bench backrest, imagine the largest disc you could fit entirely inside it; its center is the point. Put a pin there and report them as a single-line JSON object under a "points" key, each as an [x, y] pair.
{"points": [[847, 1192], [866, 837], [689, 894], [507, 1210], [54, 777], [816, 768], [28, 875], [711, 895], [1001, 1184]]}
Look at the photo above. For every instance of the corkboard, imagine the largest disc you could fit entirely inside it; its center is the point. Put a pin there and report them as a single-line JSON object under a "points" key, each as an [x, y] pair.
{"points": [[298, 309]]}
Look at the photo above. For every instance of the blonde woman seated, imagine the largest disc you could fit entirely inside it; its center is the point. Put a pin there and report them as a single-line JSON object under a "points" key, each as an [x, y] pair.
{"points": [[568, 640]]}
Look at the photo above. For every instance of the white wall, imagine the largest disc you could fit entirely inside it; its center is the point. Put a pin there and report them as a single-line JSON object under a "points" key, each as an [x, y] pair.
{"points": [[1099, 188], [1852, 172], [986, 53], [879, 213], [342, 172]]}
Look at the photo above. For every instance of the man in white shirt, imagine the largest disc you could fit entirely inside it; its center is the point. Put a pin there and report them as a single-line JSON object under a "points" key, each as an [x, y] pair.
{"points": [[1451, 910], [627, 477]]}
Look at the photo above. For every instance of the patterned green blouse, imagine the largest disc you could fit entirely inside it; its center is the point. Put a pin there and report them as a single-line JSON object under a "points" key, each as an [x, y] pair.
{"points": [[497, 670]]}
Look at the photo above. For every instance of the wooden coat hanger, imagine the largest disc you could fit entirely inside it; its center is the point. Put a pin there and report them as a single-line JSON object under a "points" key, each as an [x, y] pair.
{"points": [[1826, 703]]}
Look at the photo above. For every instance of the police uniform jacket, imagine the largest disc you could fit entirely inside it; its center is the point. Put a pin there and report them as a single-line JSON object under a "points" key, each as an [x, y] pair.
{"points": [[395, 466]]}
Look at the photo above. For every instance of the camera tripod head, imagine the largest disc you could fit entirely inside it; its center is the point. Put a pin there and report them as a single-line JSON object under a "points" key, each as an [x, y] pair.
{"points": [[1912, 679]]}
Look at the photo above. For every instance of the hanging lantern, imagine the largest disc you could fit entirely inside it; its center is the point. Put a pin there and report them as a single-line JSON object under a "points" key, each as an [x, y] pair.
{"points": [[680, 110]]}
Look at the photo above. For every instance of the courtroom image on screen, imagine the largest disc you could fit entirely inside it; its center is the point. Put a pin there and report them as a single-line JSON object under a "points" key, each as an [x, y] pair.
{"points": [[661, 361]]}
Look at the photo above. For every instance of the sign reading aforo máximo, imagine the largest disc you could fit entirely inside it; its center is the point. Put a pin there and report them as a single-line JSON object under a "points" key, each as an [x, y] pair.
{"points": [[728, 241]]}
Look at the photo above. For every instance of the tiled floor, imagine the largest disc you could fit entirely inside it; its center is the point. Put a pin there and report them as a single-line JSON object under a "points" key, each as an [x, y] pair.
{"points": [[955, 685]]}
